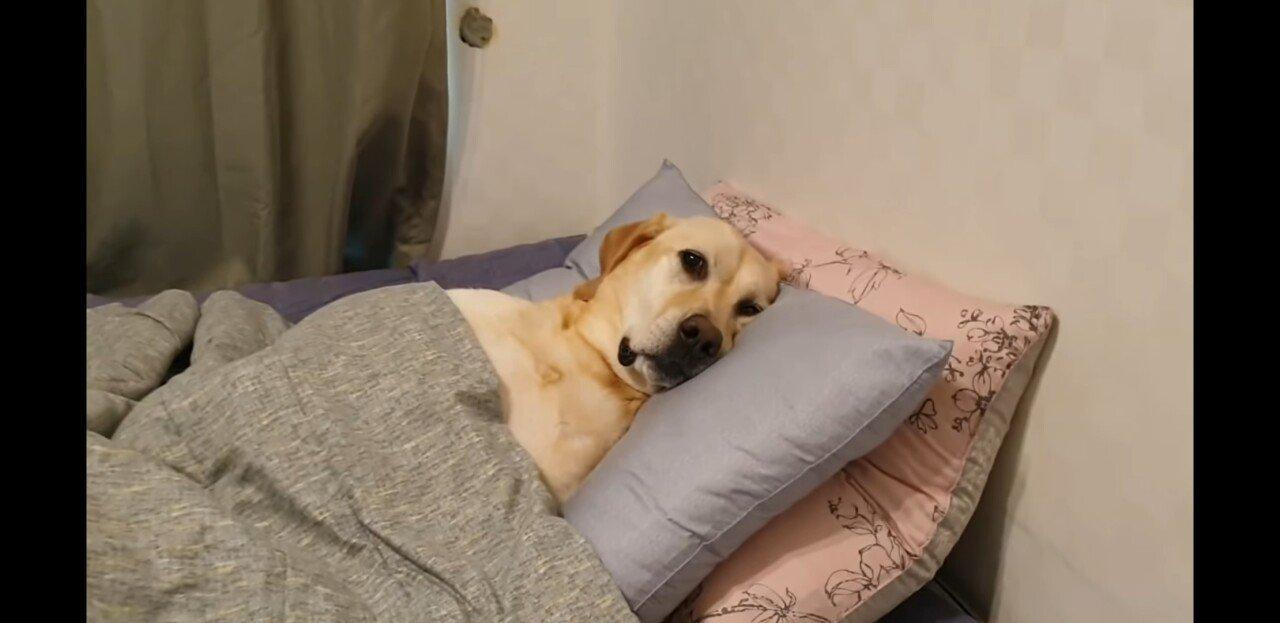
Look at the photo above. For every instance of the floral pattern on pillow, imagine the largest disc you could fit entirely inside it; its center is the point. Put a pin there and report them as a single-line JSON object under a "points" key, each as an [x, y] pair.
{"points": [[859, 531]]}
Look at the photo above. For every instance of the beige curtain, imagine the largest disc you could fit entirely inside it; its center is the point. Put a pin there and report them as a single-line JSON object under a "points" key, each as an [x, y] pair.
{"points": [[234, 141]]}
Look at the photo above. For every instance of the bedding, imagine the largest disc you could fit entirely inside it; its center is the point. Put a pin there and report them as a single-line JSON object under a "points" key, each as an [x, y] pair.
{"points": [[354, 467], [811, 385], [118, 373], [877, 531], [545, 285], [298, 298]]}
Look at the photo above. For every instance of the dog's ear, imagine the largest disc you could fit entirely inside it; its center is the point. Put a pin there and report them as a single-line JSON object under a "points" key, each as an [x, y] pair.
{"points": [[620, 242]]}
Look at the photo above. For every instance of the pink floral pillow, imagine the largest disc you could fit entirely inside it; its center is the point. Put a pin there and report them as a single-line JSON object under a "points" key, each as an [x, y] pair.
{"points": [[877, 531]]}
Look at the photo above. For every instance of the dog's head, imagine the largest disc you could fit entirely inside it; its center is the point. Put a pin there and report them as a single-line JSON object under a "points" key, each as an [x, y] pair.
{"points": [[672, 296]]}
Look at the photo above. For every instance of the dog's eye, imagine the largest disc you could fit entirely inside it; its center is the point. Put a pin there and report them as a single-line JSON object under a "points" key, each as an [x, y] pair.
{"points": [[748, 308], [694, 264]]}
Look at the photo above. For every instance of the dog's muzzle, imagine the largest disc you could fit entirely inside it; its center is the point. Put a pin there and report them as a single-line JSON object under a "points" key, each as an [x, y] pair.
{"points": [[694, 347]]}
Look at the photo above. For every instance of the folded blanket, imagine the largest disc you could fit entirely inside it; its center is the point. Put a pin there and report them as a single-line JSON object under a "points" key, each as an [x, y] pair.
{"points": [[354, 468]]}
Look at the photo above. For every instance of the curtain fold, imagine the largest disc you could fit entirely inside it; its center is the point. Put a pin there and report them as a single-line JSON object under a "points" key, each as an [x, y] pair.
{"points": [[234, 141]]}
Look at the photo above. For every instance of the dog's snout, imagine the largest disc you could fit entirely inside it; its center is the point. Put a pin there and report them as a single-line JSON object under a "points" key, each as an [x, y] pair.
{"points": [[694, 346], [701, 335]]}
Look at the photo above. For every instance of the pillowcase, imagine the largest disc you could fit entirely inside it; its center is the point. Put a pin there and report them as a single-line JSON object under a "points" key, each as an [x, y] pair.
{"points": [[666, 191], [879, 529], [498, 268], [812, 384], [741, 485], [547, 284]]}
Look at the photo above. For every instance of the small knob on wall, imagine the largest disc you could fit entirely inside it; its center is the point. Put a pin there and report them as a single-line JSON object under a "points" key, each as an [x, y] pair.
{"points": [[477, 28]]}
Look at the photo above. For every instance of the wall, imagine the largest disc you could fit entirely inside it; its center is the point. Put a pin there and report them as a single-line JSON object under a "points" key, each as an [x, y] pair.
{"points": [[525, 127], [1025, 151]]}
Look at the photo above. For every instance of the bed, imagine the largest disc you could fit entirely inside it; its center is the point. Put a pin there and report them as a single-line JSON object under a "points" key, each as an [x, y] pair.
{"points": [[297, 299]]}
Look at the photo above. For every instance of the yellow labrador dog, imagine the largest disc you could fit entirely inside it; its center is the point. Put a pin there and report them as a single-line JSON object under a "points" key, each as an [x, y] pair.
{"points": [[672, 296]]}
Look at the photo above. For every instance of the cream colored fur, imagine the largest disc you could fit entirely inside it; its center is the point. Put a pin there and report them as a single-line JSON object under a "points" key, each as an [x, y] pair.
{"points": [[566, 395]]}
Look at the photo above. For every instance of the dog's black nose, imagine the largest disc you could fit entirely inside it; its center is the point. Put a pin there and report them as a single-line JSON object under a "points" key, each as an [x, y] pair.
{"points": [[702, 337]]}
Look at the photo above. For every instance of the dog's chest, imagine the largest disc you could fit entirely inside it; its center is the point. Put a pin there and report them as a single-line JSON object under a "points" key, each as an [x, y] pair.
{"points": [[561, 399], [549, 401]]}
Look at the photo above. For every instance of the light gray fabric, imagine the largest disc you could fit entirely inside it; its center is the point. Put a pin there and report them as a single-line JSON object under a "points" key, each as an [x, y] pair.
{"points": [[547, 284], [232, 327], [356, 469], [128, 351], [667, 191], [813, 384], [104, 411], [160, 548]]}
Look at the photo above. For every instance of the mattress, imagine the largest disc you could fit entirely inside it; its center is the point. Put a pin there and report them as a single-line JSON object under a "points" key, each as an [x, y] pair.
{"points": [[534, 271]]}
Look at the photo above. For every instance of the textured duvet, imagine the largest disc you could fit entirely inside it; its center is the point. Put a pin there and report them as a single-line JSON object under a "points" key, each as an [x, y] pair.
{"points": [[353, 467]]}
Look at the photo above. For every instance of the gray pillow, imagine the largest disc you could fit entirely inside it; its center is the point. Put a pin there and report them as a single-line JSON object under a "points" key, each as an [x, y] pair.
{"points": [[666, 191], [547, 284], [811, 385]]}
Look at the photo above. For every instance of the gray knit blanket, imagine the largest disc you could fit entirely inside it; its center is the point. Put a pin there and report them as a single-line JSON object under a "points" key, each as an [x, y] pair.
{"points": [[354, 467]]}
